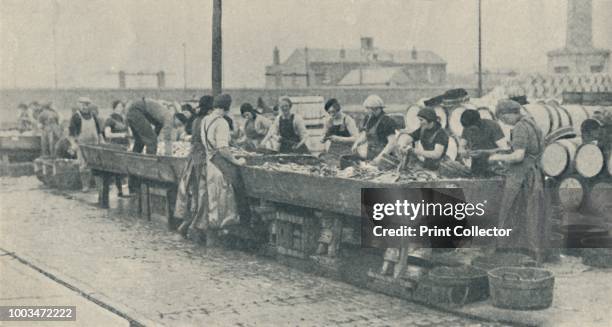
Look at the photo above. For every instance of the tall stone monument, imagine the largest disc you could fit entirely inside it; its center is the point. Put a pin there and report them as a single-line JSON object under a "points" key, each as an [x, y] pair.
{"points": [[579, 56]]}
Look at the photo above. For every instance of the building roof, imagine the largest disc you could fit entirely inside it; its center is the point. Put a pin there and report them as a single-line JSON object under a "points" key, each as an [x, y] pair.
{"points": [[376, 76], [296, 63], [578, 51]]}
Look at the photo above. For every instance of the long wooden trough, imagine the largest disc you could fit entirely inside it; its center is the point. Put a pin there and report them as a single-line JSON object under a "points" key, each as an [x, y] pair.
{"points": [[20, 148], [332, 194]]}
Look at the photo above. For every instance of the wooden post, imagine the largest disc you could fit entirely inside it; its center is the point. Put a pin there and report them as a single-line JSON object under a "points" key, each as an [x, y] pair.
{"points": [[217, 68], [103, 181], [480, 48]]}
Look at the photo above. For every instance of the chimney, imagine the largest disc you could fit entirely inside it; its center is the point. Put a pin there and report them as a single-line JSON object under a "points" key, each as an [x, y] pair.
{"points": [[276, 56], [122, 79], [579, 21], [342, 53], [367, 43], [414, 53]]}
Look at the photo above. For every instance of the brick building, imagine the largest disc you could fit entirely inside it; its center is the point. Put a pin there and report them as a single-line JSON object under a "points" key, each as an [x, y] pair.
{"points": [[365, 66]]}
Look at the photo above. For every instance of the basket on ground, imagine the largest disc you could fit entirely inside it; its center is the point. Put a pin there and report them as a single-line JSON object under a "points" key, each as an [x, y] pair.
{"points": [[521, 288]]}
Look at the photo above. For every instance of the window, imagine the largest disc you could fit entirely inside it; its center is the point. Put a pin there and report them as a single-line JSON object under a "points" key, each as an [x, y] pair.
{"points": [[597, 69], [562, 70]]}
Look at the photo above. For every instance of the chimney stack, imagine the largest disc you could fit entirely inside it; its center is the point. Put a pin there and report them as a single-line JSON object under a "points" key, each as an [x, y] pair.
{"points": [[122, 79], [579, 24], [276, 56], [367, 43]]}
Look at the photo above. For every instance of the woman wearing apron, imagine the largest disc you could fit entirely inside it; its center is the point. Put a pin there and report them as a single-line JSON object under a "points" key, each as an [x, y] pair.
{"points": [[524, 205], [377, 130], [255, 127], [340, 132], [191, 200], [85, 129], [222, 210], [289, 129]]}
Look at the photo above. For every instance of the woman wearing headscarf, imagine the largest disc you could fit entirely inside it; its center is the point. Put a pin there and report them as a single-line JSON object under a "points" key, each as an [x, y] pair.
{"points": [[340, 132], [431, 135], [192, 201], [482, 137], [222, 211], [116, 132], [523, 207], [377, 130], [255, 126]]}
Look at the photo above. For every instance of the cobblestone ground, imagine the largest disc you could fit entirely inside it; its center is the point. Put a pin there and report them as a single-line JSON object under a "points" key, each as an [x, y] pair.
{"points": [[143, 267]]}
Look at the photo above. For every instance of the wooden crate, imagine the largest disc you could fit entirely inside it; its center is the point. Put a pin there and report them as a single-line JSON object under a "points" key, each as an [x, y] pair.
{"points": [[297, 231]]}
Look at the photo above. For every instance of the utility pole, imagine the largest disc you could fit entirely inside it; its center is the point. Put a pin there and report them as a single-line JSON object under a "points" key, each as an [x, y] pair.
{"points": [[184, 66], [479, 48], [306, 63], [54, 31], [217, 68]]}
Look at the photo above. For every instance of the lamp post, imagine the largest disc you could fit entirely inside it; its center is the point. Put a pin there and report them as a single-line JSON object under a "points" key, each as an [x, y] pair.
{"points": [[217, 71], [479, 48]]}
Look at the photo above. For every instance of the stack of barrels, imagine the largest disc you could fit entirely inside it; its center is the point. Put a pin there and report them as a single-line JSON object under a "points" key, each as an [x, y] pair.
{"points": [[539, 86]]}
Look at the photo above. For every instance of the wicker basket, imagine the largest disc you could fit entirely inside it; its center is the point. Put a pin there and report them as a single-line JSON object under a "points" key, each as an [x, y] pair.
{"points": [[454, 286], [521, 288]]}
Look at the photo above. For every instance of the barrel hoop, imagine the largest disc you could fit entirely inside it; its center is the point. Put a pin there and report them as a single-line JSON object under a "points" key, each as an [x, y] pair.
{"points": [[569, 159], [550, 110], [571, 122]]}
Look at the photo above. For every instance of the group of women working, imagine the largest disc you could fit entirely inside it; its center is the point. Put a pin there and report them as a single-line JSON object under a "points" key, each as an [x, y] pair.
{"points": [[213, 201]]}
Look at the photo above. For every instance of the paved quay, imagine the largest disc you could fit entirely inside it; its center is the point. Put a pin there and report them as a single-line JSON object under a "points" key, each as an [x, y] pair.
{"points": [[151, 276], [21, 284]]}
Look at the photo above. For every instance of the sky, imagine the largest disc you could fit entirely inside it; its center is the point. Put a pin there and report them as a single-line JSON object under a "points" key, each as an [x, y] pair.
{"points": [[96, 38]]}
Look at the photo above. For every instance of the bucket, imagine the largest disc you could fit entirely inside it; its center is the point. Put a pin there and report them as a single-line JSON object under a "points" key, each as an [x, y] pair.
{"points": [[453, 286], [521, 288], [597, 251]]}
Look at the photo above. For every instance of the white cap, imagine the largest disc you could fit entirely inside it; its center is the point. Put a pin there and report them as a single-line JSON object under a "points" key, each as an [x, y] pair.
{"points": [[373, 101], [84, 100]]}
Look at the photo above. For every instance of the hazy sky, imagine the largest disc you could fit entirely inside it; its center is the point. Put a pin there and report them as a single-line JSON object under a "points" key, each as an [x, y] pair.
{"points": [[95, 37]]}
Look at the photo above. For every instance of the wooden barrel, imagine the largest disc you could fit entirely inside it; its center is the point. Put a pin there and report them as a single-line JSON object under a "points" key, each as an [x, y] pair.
{"points": [[453, 147], [558, 157], [609, 163], [578, 115], [412, 121], [571, 193], [599, 198], [546, 117], [589, 161]]}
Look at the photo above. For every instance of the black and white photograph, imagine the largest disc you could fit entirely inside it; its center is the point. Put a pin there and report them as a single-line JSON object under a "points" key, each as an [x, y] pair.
{"points": [[306, 163]]}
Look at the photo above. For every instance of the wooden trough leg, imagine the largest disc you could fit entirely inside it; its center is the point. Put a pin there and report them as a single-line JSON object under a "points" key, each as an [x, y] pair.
{"points": [[103, 181], [170, 204], [145, 200]]}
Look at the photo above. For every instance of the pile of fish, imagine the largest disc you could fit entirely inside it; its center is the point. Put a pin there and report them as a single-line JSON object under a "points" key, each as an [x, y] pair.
{"points": [[364, 172], [179, 149]]}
